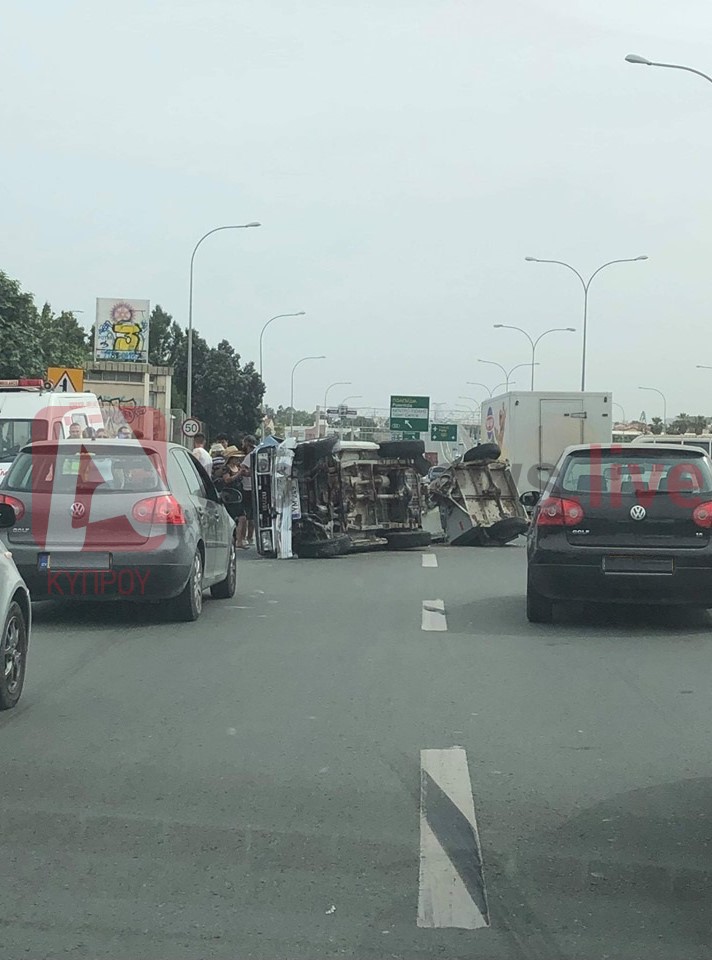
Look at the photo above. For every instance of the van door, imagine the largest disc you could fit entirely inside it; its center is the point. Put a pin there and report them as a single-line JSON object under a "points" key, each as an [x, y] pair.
{"points": [[560, 426]]}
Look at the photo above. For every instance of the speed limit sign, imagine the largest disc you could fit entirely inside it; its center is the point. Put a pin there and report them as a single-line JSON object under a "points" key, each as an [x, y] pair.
{"points": [[190, 427]]}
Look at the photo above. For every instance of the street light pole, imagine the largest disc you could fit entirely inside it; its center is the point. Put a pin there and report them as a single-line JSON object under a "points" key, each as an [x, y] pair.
{"points": [[620, 406], [336, 383], [291, 395], [661, 394], [301, 313], [534, 343], [507, 374], [634, 58], [474, 383], [189, 385], [585, 284]]}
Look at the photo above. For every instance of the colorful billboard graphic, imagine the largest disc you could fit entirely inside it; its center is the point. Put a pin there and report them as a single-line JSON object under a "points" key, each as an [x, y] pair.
{"points": [[121, 331]]}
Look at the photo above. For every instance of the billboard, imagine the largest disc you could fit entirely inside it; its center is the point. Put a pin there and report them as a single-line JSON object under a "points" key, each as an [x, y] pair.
{"points": [[121, 331]]}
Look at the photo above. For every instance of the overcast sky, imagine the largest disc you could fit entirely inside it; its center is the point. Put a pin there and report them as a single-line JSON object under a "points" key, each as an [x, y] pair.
{"points": [[403, 156]]}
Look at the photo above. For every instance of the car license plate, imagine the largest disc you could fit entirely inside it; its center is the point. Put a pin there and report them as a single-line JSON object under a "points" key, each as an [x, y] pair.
{"points": [[619, 564], [81, 560]]}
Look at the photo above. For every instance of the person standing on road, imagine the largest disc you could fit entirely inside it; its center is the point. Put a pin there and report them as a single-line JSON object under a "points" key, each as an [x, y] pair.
{"points": [[201, 454], [217, 455], [229, 485], [247, 532]]}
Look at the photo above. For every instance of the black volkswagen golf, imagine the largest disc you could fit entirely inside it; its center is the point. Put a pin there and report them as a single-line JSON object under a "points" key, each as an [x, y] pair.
{"points": [[622, 524]]}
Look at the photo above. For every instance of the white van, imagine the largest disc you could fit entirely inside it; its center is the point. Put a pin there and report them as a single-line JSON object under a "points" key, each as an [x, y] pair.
{"points": [[703, 441], [29, 411]]}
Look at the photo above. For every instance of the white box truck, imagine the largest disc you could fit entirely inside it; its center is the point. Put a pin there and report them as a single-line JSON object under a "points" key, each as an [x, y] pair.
{"points": [[533, 429]]}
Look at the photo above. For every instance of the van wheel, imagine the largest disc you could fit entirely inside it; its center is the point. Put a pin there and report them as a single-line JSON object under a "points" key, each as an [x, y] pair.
{"points": [[226, 588], [408, 539], [482, 452], [189, 603], [401, 449], [539, 608], [323, 549], [13, 654]]}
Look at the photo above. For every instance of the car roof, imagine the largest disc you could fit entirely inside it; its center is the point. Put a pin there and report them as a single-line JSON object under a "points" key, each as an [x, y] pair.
{"points": [[621, 448], [100, 444]]}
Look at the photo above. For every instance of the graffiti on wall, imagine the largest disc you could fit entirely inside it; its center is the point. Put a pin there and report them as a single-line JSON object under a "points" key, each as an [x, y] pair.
{"points": [[142, 421], [121, 331]]}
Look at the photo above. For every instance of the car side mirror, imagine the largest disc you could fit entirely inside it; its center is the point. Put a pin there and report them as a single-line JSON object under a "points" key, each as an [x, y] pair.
{"points": [[7, 516], [530, 498]]}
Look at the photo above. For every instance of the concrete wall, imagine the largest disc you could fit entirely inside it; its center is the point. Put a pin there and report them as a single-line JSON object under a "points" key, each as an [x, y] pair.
{"points": [[130, 391]]}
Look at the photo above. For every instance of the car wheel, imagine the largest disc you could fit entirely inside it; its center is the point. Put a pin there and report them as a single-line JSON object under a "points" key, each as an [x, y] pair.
{"points": [[13, 654], [189, 603], [226, 588], [539, 609], [482, 452]]}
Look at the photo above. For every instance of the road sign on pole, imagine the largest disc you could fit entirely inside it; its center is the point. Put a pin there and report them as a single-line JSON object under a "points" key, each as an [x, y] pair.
{"points": [[66, 379], [411, 435], [410, 413], [190, 427], [444, 432]]}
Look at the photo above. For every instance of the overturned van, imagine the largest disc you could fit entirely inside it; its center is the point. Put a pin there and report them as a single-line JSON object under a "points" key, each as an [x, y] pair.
{"points": [[324, 498], [478, 500]]}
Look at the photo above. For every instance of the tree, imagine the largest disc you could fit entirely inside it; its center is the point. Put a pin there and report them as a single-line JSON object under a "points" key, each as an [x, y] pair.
{"points": [[681, 423], [657, 425], [64, 341], [302, 418], [165, 338], [698, 424], [226, 396], [20, 345]]}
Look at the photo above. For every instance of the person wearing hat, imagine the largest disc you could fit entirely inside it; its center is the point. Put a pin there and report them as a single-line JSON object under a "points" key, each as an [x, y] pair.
{"points": [[229, 484], [217, 453]]}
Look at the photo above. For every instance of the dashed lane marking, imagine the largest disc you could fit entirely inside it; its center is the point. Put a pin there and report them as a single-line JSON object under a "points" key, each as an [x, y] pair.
{"points": [[451, 887], [430, 560], [434, 615]]}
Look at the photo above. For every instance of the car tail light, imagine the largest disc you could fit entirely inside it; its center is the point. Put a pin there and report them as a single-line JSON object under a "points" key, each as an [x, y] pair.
{"points": [[702, 514], [163, 509], [17, 505], [556, 512]]}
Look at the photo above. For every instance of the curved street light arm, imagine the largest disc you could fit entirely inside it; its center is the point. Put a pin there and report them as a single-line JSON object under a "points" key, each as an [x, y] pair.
{"points": [[562, 263], [608, 264], [189, 385], [277, 317], [671, 66], [554, 330]]}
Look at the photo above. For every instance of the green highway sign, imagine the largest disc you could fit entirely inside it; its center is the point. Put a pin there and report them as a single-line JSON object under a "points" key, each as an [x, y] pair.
{"points": [[411, 435], [444, 432], [411, 414]]}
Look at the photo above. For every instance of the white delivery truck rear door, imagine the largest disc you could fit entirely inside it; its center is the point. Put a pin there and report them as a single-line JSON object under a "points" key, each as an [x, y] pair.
{"points": [[560, 425]]}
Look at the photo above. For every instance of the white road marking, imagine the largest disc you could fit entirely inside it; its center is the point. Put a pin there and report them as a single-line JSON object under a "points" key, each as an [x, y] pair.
{"points": [[430, 560], [434, 615], [451, 888]]}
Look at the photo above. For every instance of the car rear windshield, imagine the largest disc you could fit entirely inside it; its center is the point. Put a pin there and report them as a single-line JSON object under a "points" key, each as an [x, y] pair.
{"points": [[102, 472], [661, 471]]}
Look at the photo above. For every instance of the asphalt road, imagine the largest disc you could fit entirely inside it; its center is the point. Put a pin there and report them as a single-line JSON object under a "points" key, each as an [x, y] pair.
{"points": [[255, 785]]}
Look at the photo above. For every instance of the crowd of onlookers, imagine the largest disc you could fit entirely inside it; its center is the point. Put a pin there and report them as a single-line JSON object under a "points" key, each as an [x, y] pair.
{"points": [[230, 467]]}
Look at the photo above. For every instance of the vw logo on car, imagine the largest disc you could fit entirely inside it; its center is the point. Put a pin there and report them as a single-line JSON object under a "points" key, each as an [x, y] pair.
{"points": [[77, 510], [637, 512]]}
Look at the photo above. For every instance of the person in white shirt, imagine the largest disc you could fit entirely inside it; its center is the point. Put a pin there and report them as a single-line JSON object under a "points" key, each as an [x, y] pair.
{"points": [[201, 454]]}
